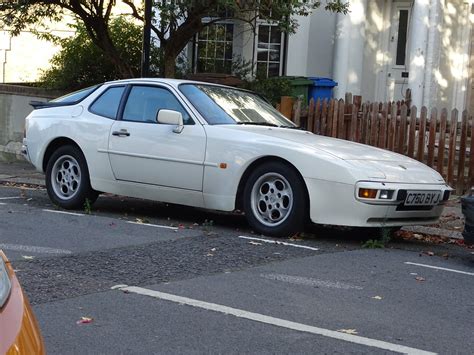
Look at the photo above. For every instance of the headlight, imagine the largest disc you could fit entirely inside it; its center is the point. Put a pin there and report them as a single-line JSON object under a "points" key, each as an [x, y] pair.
{"points": [[5, 283]]}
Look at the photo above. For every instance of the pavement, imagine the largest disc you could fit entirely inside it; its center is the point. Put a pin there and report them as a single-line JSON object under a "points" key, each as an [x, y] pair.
{"points": [[450, 225]]}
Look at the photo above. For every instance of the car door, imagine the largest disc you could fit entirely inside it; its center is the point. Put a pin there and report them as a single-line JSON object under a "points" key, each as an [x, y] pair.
{"points": [[143, 151]]}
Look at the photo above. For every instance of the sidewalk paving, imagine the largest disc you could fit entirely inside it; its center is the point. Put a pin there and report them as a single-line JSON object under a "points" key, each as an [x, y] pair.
{"points": [[450, 225]]}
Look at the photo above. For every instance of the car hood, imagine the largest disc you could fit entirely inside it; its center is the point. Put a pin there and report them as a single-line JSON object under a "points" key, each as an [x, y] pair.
{"points": [[375, 162]]}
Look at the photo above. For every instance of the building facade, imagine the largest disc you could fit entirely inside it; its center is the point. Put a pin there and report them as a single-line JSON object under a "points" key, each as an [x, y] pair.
{"points": [[378, 50]]}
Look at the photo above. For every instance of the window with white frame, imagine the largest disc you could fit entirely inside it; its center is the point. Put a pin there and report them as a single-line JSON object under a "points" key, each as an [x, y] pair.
{"points": [[269, 50], [214, 50]]}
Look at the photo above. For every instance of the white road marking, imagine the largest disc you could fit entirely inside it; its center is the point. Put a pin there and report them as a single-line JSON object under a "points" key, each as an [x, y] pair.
{"points": [[257, 317], [2, 204], [278, 242], [10, 198], [33, 249], [64, 212], [305, 281], [153, 225], [441, 268]]}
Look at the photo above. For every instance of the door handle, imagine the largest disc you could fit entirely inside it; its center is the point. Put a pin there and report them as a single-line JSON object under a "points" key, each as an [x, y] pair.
{"points": [[121, 133]]}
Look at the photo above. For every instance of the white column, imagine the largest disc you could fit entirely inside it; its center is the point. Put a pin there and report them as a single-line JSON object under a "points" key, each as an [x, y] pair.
{"points": [[349, 50], [418, 38], [432, 52], [341, 54]]}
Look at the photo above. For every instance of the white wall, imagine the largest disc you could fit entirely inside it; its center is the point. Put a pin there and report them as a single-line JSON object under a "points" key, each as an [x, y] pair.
{"points": [[311, 48], [298, 44]]}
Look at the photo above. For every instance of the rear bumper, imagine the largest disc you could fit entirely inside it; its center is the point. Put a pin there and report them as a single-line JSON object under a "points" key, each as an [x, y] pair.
{"points": [[24, 150], [336, 204], [19, 331]]}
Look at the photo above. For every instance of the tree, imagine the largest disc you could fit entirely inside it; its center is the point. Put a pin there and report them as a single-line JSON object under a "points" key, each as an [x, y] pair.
{"points": [[80, 63], [176, 21]]}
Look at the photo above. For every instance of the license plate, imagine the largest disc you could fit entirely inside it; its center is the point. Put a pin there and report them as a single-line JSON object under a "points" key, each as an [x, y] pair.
{"points": [[423, 198]]}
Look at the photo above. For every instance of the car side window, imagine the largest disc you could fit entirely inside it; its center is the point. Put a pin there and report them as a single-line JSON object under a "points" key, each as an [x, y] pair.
{"points": [[144, 102], [108, 103]]}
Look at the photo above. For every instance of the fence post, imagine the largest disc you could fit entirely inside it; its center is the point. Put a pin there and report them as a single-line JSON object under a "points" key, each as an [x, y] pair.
{"points": [[462, 153], [432, 137], [374, 124], [402, 129], [421, 134], [412, 132], [317, 117], [324, 118], [471, 156], [310, 122], [297, 113], [334, 119], [392, 127], [383, 127], [453, 130], [441, 142], [340, 119]]}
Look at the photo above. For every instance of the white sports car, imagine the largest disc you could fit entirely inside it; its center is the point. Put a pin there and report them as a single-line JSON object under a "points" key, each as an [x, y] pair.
{"points": [[221, 148]]}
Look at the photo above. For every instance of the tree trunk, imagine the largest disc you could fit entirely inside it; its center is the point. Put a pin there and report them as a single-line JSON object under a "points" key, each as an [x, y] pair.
{"points": [[169, 63]]}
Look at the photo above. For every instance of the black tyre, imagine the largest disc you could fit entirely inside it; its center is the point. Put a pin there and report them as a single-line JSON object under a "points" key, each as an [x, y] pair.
{"points": [[275, 200], [67, 179]]}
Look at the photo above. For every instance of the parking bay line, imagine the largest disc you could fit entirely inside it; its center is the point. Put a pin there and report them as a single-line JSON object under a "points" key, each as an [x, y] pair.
{"points": [[10, 198], [440, 268], [278, 242], [153, 225], [257, 317], [64, 212], [33, 249]]}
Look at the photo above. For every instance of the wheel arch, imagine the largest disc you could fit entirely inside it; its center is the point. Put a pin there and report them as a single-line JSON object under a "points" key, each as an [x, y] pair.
{"points": [[54, 145], [262, 160]]}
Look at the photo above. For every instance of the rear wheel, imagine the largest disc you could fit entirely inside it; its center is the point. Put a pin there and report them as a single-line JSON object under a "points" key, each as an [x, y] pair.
{"points": [[275, 200], [67, 179]]}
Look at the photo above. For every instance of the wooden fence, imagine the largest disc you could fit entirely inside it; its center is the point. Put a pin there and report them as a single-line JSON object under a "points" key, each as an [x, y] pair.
{"points": [[442, 140]]}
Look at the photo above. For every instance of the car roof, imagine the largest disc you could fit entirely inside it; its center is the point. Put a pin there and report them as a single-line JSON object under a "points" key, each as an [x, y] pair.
{"points": [[172, 82]]}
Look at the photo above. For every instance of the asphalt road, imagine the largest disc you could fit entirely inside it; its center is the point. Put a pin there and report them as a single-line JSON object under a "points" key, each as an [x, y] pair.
{"points": [[159, 278]]}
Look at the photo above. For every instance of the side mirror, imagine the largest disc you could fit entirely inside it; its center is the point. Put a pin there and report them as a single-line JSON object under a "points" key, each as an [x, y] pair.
{"points": [[172, 118]]}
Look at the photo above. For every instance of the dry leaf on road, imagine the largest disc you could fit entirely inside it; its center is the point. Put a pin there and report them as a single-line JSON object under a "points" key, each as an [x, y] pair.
{"points": [[85, 320]]}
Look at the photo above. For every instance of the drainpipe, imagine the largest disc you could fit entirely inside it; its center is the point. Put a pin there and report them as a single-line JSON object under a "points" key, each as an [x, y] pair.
{"points": [[417, 42], [431, 51]]}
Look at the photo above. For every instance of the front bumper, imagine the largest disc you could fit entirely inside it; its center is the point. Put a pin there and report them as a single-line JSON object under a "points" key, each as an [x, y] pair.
{"points": [[336, 204], [19, 331]]}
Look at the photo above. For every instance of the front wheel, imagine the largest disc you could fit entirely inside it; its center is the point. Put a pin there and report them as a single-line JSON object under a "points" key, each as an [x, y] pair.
{"points": [[275, 200], [67, 179]]}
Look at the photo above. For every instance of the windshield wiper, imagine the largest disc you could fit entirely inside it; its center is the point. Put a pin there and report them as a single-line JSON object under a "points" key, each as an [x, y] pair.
{"points": [[291, 127], [258, 124]]}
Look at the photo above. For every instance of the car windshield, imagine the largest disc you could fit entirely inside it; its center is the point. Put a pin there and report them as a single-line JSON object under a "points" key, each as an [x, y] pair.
{"points": [[76, 96], [223, 105]]}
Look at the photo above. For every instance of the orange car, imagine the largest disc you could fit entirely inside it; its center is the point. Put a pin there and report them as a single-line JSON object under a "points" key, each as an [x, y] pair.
{"points": [[19, 331]]}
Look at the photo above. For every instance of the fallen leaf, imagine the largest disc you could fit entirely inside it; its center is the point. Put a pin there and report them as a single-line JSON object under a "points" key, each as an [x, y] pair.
{"points": [[213, 249], [85, 320], [377, 297], [419, 278], [347, 331], [27, 257]]}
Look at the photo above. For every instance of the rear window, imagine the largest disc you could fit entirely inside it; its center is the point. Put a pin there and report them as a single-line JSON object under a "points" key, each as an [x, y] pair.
{"points": [[76, 96]]}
